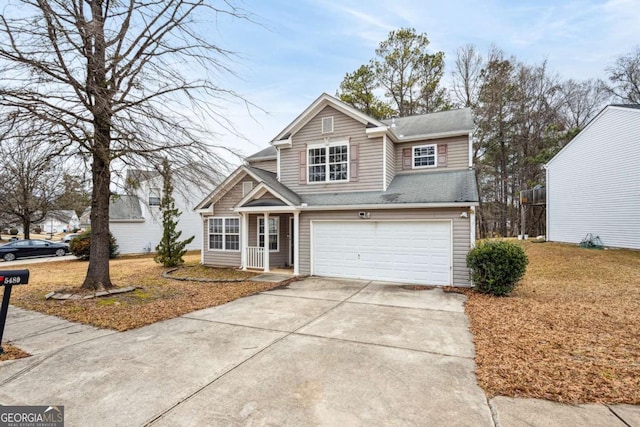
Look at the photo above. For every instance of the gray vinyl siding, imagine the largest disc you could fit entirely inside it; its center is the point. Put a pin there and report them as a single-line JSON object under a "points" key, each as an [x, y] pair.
{"points": [[218, 258], [391, 161], [457, 153], [593, 184], [461, 237], [276, 259], [267, 165], [369, 154], [223, 208]]}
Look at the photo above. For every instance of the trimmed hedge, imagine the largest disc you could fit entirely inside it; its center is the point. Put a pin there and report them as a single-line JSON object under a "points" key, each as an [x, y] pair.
{"points": [[497, 266], [80, 246]]}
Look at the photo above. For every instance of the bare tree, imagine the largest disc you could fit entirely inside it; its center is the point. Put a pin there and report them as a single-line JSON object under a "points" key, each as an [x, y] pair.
{"points": [[125, 82], [582, 100], [30, 176], [624, 76], [466, 75]]}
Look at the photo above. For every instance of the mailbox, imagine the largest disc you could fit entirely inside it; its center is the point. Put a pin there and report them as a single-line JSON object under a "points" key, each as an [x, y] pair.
{"points": [[8, 279], [14, 277]]}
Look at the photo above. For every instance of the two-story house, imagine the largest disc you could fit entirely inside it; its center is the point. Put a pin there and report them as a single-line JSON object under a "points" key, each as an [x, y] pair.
{"points": [[341, 194], [135, 219]]}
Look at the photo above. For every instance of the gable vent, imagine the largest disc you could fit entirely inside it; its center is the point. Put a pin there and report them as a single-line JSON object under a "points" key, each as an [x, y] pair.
{"points": [[327, 125]]}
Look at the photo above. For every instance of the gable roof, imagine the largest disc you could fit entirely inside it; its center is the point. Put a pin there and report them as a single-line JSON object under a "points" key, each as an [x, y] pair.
{"points": [[125, 207], [432, 125], [269, 153], [317, 105], [428, 187], [636, 106], [262, 176], [136, 176], [269, 178], [632, 107]]}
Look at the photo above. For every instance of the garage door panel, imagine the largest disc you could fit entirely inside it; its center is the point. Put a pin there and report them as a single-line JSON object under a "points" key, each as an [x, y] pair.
{"points": [[413, 252]]}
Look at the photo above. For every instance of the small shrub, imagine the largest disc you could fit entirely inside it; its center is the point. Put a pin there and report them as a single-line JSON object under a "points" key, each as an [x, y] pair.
{"points": [[37, 230], [80, 246], [13, 231], [497, 266]]}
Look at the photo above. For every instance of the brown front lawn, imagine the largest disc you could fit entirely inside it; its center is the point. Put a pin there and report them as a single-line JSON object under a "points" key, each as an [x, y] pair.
{"points": [[570, 331], [158, 299]]}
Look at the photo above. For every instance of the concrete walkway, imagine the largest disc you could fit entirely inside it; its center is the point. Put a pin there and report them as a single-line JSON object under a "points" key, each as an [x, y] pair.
{"points": [[317, 352]]}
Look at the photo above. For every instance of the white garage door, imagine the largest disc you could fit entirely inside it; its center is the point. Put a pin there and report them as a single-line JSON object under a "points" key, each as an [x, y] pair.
{"points": [[411, 252]]}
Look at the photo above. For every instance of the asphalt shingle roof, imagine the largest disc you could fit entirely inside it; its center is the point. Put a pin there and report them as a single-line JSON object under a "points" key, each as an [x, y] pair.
{"points": [[269, 152], [432, 123], [428, 187], [269, 178], [124, 207]]}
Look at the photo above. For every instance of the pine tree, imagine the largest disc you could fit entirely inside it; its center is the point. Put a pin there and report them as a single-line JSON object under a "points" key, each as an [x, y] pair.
{"points": [[170, 250]]}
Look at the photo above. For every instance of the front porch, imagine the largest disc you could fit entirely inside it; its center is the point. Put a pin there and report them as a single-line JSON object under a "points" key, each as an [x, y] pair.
{"points": [[277, 231]]}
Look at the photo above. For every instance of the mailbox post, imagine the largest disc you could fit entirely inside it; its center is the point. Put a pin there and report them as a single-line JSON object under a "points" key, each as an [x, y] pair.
{"points": [[9, 278]]}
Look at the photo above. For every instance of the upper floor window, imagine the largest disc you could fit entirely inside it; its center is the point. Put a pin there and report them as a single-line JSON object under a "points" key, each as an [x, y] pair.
{"points": [[329, 163], [327, 124], [424, 156], [224, 234], [154, 197]]}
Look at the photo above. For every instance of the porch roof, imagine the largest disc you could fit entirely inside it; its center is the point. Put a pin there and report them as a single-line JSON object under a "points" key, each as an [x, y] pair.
{"points": [[270, 180]]}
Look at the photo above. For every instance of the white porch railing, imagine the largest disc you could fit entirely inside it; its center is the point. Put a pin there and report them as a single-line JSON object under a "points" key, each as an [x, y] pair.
{"points": [[255, 257]]}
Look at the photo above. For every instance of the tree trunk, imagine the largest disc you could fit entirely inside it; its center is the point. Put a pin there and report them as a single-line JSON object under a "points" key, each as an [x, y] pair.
{"points": [[26, 225], [98, 277]]}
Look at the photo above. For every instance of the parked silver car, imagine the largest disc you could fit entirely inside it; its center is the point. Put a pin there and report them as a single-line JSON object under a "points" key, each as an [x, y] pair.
{"points": [[70, 237]]}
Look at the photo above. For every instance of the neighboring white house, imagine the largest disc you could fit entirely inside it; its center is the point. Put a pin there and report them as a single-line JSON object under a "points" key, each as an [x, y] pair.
{"points": [[60, 220], [136, 221], [593, 184]]}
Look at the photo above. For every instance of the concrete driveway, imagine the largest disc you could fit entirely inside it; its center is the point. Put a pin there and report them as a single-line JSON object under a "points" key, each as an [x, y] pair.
{"points": [[318, 352]]}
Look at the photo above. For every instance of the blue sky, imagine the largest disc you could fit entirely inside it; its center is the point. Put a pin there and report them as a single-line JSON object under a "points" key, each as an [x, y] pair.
{"points": [[304, 47]]}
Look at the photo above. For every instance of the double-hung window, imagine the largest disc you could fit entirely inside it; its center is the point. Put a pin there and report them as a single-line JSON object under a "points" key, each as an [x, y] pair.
{"points": [[424, 156], [154, 197], [329, 163], [224, 234], [273, 233]]}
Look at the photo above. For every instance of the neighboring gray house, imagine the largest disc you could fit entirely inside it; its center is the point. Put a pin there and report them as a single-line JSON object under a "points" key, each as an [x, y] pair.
{"points": [[136, 221], [339, 193], [593, 183]]}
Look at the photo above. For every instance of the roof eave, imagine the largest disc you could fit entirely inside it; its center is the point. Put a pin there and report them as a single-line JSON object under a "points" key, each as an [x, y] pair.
{"points": [[260, 159], [321, 102], [438, 135], [390, 206]]}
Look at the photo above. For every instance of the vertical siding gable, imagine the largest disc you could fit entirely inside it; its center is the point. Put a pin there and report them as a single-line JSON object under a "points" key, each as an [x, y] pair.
{"points": [[369, 155], [593, 185]]}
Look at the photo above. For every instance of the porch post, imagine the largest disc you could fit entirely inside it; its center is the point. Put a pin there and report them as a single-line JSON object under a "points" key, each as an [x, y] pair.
{"points": [[296, 240], [244, 239], [266, 242]]}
